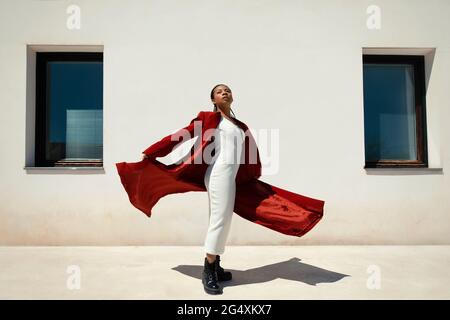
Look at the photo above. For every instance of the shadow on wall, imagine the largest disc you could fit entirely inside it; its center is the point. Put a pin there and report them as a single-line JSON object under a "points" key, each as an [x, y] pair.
{"points": [[291, 269]]}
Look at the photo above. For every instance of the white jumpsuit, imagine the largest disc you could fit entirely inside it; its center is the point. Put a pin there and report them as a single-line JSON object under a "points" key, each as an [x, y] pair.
{"points": [[221, 185]]}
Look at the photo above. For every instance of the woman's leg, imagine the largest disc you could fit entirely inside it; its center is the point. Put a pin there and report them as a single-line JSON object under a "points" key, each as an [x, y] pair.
{"points": [[221, 187], [211, 257]]}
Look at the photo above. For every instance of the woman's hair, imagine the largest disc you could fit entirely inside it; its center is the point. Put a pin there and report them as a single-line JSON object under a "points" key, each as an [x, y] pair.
{"points": [[212, 97]]}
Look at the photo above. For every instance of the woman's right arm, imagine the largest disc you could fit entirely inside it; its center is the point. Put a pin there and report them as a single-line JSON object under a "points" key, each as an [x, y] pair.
{"points": [[164, 146]]}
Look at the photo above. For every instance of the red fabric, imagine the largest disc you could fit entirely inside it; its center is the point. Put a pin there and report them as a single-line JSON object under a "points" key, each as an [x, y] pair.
{"points": [[149, 180]]}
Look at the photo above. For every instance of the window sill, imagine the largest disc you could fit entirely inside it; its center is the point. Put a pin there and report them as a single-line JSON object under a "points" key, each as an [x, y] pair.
{"points": [[65, 169], [404, 170]]}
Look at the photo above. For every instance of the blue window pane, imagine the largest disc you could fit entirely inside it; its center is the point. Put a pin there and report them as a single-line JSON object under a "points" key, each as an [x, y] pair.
{"points": [[389, 112], [74, 110], [84, 136]]}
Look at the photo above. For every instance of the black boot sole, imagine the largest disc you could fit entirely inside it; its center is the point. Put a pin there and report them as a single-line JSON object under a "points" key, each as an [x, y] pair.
{"points": [[211, 291]]}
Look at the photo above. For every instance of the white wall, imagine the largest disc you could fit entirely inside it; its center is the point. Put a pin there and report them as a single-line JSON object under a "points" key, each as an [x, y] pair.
{"points": [[295, 66]]}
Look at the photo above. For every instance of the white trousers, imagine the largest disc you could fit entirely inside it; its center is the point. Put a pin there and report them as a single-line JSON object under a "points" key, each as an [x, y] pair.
{"points": [[221, 185]]}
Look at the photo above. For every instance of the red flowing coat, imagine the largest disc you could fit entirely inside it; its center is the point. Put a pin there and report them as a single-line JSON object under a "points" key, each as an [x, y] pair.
{"points": [[149, 180]]}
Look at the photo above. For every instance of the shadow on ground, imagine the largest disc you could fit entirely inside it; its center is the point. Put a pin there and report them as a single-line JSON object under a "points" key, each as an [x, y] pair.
{"points": [[291, 269]]}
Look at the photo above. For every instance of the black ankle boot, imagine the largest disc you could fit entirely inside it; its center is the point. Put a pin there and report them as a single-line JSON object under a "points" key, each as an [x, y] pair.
{"points": [[210, 279], [222, 275]]}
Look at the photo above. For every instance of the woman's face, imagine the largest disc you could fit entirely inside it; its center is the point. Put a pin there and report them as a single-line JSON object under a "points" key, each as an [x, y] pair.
{"points": [[222, 96]]}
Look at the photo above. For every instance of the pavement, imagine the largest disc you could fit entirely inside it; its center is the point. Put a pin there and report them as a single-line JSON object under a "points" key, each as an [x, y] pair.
{"points": [[259, 272]]}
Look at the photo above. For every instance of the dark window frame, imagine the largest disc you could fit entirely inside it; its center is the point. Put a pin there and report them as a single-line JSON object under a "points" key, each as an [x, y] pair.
{"points": [[42, 59], [418, 63]]}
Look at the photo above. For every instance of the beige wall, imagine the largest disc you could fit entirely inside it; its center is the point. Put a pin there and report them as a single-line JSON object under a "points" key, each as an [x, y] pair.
{"points": [[294, 66]]}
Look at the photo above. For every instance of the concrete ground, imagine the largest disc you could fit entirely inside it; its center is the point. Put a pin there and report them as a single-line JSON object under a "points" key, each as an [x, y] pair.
{"points": [[259, 272]]}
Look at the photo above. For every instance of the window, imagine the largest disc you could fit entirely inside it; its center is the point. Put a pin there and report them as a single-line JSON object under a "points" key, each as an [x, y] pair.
{"points": [[69, 109], [394, 111]]}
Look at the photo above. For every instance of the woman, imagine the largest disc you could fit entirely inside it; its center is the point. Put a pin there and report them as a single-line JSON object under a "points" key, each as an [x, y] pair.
{"points": [[221, 185], [231, 178]]}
